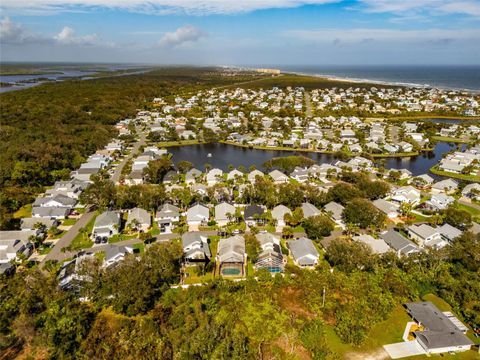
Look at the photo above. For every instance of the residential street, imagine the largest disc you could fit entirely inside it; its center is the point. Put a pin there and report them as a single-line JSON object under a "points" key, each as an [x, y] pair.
{"points": [[308, 105], [56, 252], [118, 171]]}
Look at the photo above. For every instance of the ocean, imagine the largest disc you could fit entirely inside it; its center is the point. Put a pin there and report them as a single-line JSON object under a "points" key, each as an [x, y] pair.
{"points": [[446, 77]]}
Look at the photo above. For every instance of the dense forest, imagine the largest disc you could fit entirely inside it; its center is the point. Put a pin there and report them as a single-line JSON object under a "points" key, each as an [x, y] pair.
{"points": [[281, 317], [48, 130]]}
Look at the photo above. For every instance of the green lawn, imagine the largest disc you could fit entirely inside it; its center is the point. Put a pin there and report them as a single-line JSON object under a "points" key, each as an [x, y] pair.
{"points": [[122, 237], [69, 222], [436, 171], [471, 210], [450, 139], [178, 143], [24, 212], [82, 240]]}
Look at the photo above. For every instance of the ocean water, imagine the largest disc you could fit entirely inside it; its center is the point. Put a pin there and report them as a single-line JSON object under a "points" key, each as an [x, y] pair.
{"points": [[447, 77]]}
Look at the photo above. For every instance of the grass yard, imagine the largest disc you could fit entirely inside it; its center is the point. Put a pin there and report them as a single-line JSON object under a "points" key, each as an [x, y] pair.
{"points": [[193, 278], [435, 170], [471, 210], [24, 212], [82, 240], [178, 143], [122, 237], [69, 222]]}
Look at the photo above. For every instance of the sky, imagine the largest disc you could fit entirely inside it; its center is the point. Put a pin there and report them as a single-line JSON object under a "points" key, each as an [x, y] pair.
{"points": [[236, 32]]}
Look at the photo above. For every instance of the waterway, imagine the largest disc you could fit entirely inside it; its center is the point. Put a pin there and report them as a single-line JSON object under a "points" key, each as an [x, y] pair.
{"points": [[223, 155]]}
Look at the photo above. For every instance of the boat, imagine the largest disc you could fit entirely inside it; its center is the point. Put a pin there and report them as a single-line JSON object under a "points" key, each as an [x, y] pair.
{"points": [[209, 155]]}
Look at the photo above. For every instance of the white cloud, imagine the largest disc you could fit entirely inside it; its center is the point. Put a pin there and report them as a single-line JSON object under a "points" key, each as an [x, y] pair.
{"points": [[181, 36], [67, 37], [191, 7], [436, 7], [348, 36], [14, 33]]}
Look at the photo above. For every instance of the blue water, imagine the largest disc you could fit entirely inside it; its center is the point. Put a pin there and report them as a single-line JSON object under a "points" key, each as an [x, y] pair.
{"points": [[448, 77]]}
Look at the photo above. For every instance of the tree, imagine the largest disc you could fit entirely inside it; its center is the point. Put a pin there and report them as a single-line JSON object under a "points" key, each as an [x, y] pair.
{"points": [[362, 213], [344, 192], [252, 247], [294, 218], [156, 169], [184, 166], [101, 192], [318, 226], [457, 217], [349, 255]]}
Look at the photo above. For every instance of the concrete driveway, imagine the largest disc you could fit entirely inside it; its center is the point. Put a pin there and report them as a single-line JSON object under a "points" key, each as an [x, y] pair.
{"points": [[404, 349]]}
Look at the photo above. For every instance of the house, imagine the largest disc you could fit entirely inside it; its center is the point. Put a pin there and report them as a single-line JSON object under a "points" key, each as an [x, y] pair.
{"points": [[234, 174], [299, 174], [335, 210], [309, 210], [426, 236], [438, 332], [253, 215], [253, 175], [472, 191], [447, 186], [278, 177], [69, 277], [278, 214], [58, 200], [50, 212], [231, 256], [139, 219], [192, 176], [388, 208], [378, 246], [106, 225], [214, 176], [406, 194], [197, 215], [15, 245], [270, 257], [195, 248], [166, 216], [405, 146], [422, 181], [115, 254], [400, 244], [30, 223], [303, 252], [224, 213], [439, 202], [449, 232]]}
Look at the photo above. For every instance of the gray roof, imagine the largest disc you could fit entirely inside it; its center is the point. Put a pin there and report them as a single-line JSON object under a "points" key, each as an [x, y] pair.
{"points": [[51, 211], [63, 200], [440, 331], [29, 223], [398, 242], [303, 251], [221, 211], [198, 213], [309, 210], [113, 250], [231, 249], [196, 242], [252, 210], [448, 231], [378, 246], [447, 183], [335, 208], [277, 175], [141, 215], [106, 219], [278, 212], [423, 230], [168, 211], [385, 206]]}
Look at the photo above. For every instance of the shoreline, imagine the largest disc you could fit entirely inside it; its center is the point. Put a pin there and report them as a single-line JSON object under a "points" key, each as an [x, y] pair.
{"points": [[379, 82]]}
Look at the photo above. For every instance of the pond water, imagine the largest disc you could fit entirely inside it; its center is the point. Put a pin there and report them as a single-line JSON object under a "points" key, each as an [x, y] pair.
{"points": [[224, 155], [450, 121]]}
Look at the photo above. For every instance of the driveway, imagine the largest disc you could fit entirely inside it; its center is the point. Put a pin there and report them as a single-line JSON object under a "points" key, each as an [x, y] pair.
{"points": [[404, 349]]}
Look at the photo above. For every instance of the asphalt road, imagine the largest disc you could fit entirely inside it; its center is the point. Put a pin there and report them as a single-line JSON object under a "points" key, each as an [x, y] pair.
{"points": [[118, 171], [56, 252], [308, 105]]}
